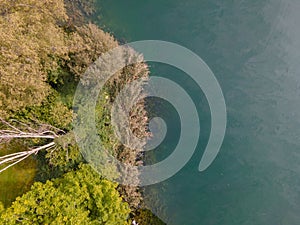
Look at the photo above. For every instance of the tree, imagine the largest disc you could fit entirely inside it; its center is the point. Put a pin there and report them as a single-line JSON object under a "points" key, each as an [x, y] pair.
{"points": [[30, 38], [42, 57], [79, 197], [39, 53]]}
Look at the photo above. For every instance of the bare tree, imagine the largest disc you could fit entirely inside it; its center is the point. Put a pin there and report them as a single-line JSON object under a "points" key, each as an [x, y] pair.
{"points": [[16, 129]]}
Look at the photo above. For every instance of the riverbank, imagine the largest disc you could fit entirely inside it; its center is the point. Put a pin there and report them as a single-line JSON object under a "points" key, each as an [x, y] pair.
{"points": [[50, 54], [132, 195]]}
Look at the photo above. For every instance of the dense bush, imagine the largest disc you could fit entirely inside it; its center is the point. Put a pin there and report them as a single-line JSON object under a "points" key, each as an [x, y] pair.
{"points": [[79, 197]]}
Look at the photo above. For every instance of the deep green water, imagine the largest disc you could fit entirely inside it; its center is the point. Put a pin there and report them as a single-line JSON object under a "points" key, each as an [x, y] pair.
{"points": [[253, 48]]}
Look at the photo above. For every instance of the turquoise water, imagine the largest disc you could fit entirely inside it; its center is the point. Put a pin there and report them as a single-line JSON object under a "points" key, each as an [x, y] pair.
{"points": [[253, 48]]}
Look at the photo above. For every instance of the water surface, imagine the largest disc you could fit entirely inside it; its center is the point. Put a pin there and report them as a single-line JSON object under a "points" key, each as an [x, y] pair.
{"points": [[253, 48]]}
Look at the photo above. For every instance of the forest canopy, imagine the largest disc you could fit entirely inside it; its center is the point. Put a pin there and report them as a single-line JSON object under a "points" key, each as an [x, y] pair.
{"points": [[38, 46], [79, 197], [44, 50]]}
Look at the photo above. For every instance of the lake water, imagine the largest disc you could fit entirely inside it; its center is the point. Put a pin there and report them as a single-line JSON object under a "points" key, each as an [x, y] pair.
{"points": [[253, 48]]}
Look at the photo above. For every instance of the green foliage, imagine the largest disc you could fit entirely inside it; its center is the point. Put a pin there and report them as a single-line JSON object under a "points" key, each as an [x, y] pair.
{"points": [[103, 123], [37, 48], [42, 56], [103, 110], [1, 207], [46, 171], [51, 111], [87, 43], [66, 155], [65, 83], [29, 34], [79, 197], [146, 217]]}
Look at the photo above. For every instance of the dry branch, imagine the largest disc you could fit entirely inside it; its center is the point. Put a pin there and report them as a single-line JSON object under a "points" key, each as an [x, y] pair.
{"points": [[17, 129]]}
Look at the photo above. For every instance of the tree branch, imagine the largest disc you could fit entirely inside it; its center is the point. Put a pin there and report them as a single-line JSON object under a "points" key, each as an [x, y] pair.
{"points": [[20, 156], [25, 131], [16, 129]]}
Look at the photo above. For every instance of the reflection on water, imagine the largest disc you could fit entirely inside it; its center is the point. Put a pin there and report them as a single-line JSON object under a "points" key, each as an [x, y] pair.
{"points": [[253, 47]]}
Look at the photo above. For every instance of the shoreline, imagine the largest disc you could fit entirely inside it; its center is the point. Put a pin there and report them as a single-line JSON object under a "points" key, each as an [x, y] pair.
{"points": [[61, 58], [133, 195]]}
